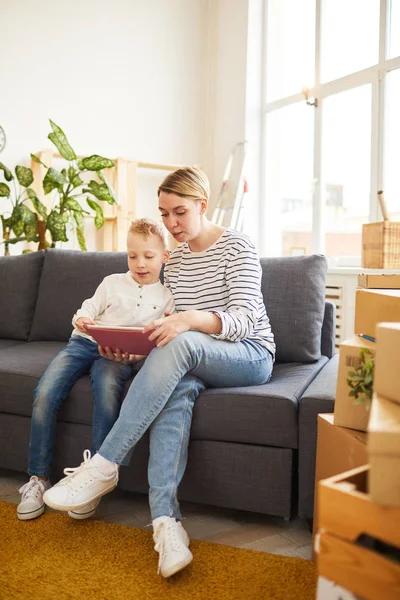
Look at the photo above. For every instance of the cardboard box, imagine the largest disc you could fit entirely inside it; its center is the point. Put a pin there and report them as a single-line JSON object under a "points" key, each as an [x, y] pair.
{"points": [[357, 537], [387, 361], [338, 449], [346, 412], [384, 452], [383, 281], [375, 306]]}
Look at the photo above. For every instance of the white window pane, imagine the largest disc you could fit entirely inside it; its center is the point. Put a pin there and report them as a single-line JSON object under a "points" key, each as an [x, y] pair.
{"points": [[289, 178], [290, 47], [392, 146], [346, 156], [394, 46], [350, 37]]}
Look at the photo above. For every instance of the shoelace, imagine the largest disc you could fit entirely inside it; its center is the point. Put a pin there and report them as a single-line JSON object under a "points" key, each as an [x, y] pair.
{"points": [[166, 542], [32, 488], [72, 472]]}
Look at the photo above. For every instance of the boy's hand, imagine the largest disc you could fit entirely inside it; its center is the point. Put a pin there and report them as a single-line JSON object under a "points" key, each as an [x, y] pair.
{"points": [[82, 322], [119, 356]]}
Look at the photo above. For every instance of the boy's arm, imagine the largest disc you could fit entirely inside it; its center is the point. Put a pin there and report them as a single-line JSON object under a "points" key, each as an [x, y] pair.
{"points": [[94, 306]]}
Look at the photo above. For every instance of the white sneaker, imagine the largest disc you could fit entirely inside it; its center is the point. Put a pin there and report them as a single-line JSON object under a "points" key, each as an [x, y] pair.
{"points": [[172, 543], [83, 485], [32, 505], [87, 511]]}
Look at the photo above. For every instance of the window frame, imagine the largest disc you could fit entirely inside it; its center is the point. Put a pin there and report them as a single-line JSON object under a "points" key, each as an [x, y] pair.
{"points": [[376, 77]]}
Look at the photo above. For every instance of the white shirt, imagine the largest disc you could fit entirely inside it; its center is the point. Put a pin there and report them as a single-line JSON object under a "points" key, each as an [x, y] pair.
{"points": [[120, 300]]}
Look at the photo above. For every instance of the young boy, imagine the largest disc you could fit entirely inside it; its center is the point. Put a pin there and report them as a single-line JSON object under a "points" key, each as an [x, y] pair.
{"points": [[131, 299]]}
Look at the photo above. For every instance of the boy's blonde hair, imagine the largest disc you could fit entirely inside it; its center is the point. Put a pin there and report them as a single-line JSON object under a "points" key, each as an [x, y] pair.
{"points": [[189, 182], [146, 227]]}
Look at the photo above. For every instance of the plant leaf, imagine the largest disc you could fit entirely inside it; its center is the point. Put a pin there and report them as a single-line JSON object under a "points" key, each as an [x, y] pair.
{"points": [[26, 214], [4, 190], [73, 204], [7, 173], [60, 141], [24, 175], [78, 216], [101, 176], [36, 159], [53, 179], [30, 229], [99, 216], [96, 163], [57, 227], [81, 238], [38, 206], [100, 191]]}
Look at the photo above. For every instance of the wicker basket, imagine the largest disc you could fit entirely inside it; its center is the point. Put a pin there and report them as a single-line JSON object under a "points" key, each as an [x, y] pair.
{"points": [[381, 245]]}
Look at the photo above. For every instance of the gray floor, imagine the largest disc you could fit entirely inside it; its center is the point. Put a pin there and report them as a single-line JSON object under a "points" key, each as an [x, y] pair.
{"points": [[223, 526]]}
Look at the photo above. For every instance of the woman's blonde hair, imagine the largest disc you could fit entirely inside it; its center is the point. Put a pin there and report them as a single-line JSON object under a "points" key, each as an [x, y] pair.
{"points": [[146, 227], [189, 182]]}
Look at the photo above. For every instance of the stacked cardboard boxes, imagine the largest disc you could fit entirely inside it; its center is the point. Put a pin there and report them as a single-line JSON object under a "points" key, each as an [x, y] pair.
{"points": [[358, 519], [372, 307]]}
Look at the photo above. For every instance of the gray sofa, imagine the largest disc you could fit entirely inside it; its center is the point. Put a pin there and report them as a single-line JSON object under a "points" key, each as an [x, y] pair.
{"points": [[251, 448]]}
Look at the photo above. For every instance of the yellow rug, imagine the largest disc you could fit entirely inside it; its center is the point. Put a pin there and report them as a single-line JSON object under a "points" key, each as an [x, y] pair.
{"points": [[57, 558]]}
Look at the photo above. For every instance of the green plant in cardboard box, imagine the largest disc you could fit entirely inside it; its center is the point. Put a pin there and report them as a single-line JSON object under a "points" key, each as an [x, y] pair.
{"points": [[68, 188], [360, 380]]}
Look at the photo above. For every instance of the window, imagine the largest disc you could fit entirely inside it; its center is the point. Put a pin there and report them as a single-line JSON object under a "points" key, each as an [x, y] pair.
{"points": [[325, 161]]}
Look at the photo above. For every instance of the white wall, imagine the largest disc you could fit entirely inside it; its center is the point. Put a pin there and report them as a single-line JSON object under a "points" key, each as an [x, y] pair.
{"points": [[122, 78], [174, 81]]}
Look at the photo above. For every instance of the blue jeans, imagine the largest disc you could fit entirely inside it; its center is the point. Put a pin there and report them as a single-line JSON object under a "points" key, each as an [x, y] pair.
{"points": [[162, 396], [108, 380]]}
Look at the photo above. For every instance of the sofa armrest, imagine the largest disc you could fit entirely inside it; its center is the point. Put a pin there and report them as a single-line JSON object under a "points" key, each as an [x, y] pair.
{"points": [[319, 397], [328, 333]]}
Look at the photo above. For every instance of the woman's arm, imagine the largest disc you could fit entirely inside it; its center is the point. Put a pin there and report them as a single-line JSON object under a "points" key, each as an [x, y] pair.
{"points": [[164, 330]]}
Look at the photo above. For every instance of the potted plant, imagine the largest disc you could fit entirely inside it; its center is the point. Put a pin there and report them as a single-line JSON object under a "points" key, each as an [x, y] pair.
{"points": [[20, 223], [69, 190]]}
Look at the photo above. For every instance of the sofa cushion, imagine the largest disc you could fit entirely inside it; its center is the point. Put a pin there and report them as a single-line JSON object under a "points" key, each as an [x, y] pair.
{"points": [[263, 415], [19, 276], [68, 278], [294, 296]]}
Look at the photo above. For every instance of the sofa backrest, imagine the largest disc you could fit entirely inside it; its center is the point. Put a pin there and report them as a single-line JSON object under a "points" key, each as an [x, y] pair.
{"points": [[294, 295], [68, 278], [293, 290], [19, 283]]}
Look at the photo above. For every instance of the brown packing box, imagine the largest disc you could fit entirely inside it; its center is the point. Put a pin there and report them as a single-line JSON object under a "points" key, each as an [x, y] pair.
{"points": [[375, 306], [357, 538], [338, 450], [387, 361], [347, 413], [384, 452], [383, 281]]}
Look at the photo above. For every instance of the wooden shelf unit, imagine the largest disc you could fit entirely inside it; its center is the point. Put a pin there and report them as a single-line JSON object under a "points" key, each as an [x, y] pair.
{"points": [[117, 217]]}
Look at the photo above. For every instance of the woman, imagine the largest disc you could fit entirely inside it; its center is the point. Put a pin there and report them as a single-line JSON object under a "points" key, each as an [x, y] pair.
{"points": [[220, 337]]}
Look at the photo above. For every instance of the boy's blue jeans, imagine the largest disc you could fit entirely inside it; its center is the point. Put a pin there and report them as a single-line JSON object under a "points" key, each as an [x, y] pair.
{"points": [[108, 381], [162, 396]]}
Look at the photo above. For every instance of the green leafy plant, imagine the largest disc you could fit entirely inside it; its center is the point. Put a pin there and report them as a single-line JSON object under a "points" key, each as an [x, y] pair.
{"points": [[73, 197], [21, 222], [360, 380], [69, 189]]}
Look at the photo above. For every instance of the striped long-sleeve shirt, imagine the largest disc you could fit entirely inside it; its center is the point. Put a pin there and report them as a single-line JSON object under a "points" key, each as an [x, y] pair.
{"points": [[224, 279]]}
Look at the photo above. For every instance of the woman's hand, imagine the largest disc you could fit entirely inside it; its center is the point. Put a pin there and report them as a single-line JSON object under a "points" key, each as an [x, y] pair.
{"points": [[82, 322], [119, 356], [166, 329]]}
